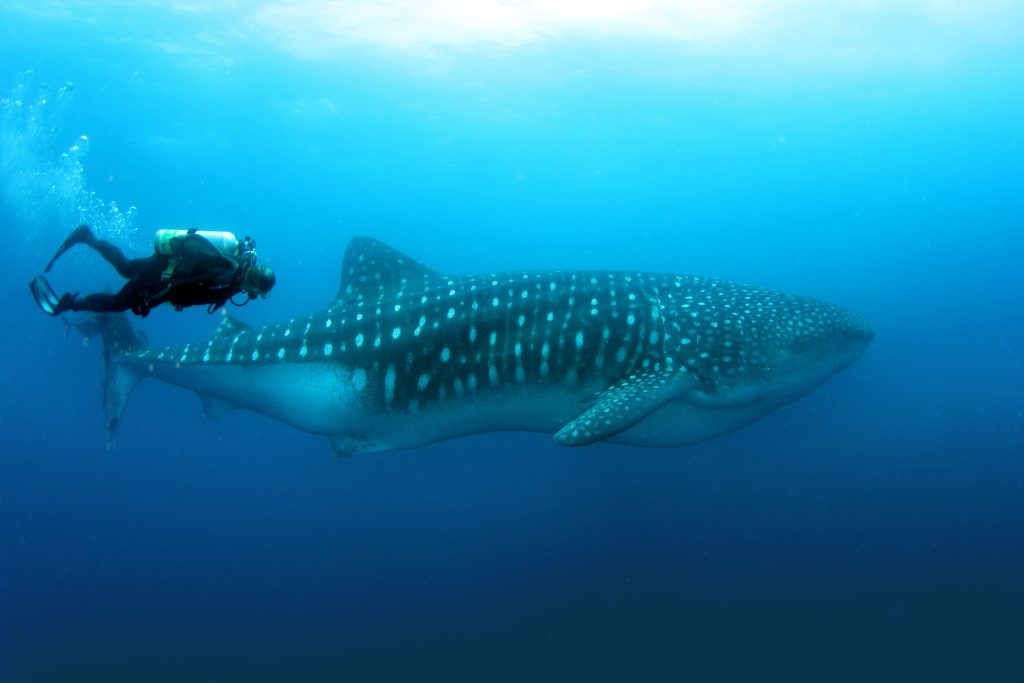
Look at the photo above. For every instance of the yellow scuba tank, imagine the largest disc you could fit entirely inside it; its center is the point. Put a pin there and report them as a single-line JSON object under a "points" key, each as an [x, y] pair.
{"points": [[225, 241]]}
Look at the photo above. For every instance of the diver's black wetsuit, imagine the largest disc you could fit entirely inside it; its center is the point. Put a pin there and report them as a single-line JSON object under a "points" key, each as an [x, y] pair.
{"points": [[202, 276]]}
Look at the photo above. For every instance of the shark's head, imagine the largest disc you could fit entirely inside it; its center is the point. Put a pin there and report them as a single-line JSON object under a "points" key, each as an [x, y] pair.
{"points": [[817, 342], [756, 344]]}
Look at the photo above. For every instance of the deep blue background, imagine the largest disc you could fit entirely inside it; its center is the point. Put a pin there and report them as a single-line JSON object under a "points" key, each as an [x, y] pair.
{"points": [[884, 510]]}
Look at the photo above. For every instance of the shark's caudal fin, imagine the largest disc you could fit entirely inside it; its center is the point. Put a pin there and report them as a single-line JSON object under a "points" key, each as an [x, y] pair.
{"points": [[118, 339], [371, 268]]}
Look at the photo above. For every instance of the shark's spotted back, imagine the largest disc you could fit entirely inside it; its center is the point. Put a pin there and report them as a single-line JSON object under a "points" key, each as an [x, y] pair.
{"points": [[590, 355]]}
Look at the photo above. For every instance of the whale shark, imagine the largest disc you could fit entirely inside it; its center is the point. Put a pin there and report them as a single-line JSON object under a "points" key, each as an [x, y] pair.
{"points": [[405, 356]]}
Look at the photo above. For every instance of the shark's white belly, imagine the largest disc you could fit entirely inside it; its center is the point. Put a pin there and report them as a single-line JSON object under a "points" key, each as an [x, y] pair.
{"points": [[677, 423], [314, 397], [696, 416], [325, 398], [515, 410], [683, 421]]}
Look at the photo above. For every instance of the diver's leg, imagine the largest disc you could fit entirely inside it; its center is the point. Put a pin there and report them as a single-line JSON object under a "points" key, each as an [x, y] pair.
{"points": [[134, 296], [48, 300], [126, 267], [100, 303], [80, 235]]}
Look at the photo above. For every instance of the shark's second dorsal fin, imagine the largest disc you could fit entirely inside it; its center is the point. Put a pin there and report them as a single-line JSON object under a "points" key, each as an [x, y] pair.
{"points": [[372, 268], [230, 326]]}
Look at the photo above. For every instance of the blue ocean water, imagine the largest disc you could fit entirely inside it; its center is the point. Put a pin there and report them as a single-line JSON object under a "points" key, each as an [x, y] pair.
{"points": [[870, 154]]}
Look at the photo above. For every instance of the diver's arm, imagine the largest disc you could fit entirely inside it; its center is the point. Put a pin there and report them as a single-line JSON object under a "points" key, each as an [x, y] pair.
{"points": [[165, 293], [159, 298]]}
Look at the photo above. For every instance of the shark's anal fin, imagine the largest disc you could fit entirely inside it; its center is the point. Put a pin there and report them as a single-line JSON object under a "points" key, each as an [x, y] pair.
{"points": [[348, 444], [214, 407], [625, 403], [372, 268]]}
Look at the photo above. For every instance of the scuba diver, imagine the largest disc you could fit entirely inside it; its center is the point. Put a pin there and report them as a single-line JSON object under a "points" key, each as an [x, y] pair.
{"points": [[187, 268]]}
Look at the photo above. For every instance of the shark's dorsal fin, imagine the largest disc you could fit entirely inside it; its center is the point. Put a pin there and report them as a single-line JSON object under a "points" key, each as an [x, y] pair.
{"points": [[229, 327], [371, 268], [625, 403]]}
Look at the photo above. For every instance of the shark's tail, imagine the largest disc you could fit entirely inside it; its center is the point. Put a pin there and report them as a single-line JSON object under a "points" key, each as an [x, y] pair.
{"points": [[119, 338]]}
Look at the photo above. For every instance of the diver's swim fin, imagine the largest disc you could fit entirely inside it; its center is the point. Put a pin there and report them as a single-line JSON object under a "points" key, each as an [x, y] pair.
{"points": [[44, 295], [47, 299], [81, 234]]}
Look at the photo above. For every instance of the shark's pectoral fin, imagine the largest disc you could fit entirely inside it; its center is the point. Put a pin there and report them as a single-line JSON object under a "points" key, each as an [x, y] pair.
{"points": [[625, 403], [215, 407]]}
